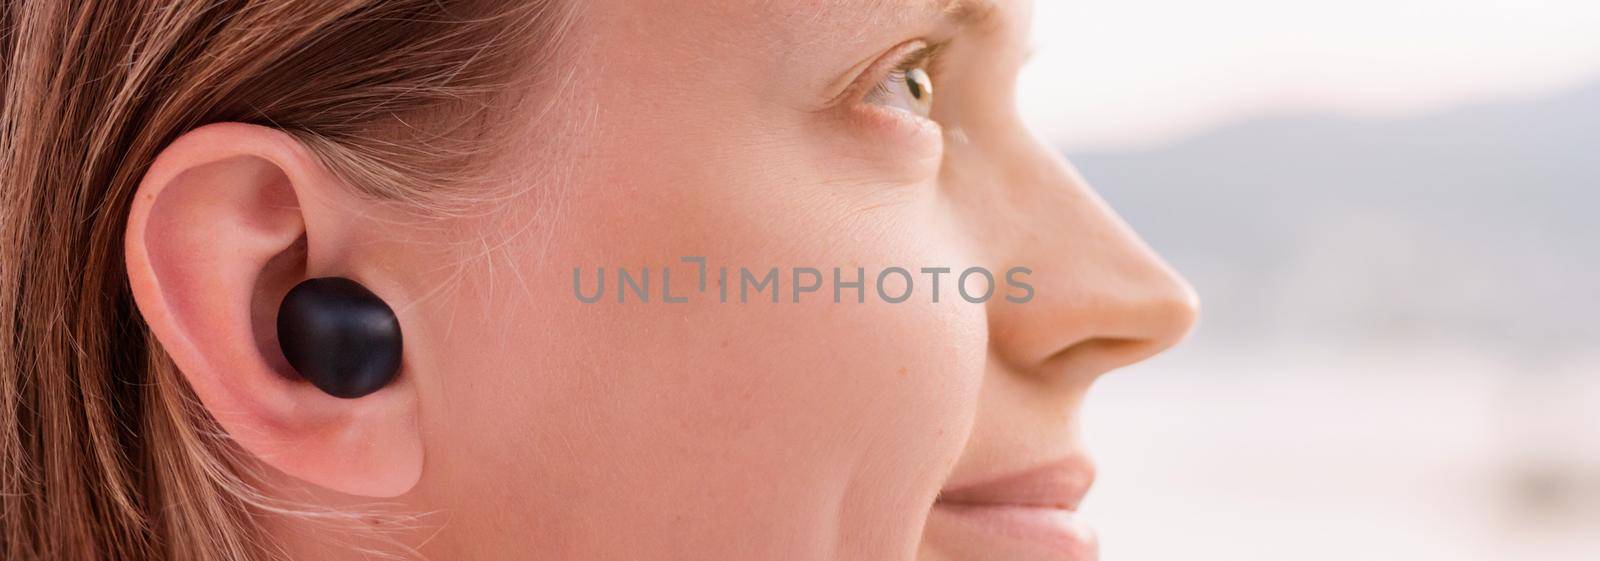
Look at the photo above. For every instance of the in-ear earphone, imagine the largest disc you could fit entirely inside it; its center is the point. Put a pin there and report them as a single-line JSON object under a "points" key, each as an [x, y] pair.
{"points": [[340, 336]]}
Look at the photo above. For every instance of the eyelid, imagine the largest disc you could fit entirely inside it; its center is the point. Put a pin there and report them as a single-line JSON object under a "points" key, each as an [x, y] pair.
{"points": [[923, 58], [904, 57]]}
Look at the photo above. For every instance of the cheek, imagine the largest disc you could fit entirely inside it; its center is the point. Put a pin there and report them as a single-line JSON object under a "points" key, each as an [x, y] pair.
{"points": [[754, 418]]}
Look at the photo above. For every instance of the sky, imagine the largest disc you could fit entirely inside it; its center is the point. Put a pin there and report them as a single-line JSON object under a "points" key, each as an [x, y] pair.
{"points": [[1117, 74], [1188, 467]]}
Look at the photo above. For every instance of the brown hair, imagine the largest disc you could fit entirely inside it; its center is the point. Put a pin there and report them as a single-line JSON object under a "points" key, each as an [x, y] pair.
{"points": [[104, 451]]}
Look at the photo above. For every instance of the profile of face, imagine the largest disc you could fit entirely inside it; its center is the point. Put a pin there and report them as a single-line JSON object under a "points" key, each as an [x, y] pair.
{"points": [[529, 422]]}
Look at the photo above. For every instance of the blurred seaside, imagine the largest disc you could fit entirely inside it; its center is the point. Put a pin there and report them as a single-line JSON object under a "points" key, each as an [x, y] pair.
{"points": [[1389, 208], [1398, 357]]}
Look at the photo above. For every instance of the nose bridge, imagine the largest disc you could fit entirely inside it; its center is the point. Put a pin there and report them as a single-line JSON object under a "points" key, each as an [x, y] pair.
{"points": [[1098, 288]]}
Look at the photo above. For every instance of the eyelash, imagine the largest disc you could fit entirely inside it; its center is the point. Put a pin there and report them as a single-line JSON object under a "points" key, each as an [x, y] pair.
{"points": [[926, 57]]}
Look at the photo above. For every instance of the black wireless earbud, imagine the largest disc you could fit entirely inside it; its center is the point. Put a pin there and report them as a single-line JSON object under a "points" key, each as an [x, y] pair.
{"points": [[340, 336]]}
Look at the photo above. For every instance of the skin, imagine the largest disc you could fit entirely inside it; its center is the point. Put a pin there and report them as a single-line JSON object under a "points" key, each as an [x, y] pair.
{"points": [[529, 425]]}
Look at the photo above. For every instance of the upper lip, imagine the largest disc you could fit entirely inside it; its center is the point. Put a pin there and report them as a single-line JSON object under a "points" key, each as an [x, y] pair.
{"points": [[1059, 484]]}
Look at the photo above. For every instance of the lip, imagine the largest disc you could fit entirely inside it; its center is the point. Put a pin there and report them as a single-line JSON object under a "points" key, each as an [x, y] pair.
{"points": [[1060, 484], [1030, 514]]}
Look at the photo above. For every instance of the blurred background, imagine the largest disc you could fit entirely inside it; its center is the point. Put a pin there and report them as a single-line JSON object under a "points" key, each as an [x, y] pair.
{"points": [[1389, 208]]}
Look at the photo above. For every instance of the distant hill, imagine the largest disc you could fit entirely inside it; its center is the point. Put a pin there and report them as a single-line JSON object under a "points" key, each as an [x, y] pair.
{"points": [[1478, 225]]}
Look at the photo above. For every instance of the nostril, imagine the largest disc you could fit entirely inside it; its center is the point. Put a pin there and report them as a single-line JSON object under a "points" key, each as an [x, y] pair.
{"points": [[1149, 326], [1099, 356], [1100, 326]]}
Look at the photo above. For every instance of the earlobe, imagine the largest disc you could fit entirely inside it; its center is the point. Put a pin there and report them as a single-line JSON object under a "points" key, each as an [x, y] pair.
{"points": [[228, 219]]}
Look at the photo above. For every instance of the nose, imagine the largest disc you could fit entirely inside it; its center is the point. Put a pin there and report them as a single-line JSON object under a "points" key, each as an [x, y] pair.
{"points": [[1102, 298]]}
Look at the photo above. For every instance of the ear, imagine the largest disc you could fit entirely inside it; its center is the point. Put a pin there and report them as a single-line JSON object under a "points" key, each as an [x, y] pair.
{"points": [[226, 221]]}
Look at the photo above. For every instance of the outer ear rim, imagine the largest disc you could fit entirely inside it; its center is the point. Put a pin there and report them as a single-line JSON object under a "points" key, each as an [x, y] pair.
{"points": [[210, 144], [280, 420]]}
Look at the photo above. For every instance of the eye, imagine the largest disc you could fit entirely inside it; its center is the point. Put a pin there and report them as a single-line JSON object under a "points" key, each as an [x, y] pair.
{"points": [[908, 86]]}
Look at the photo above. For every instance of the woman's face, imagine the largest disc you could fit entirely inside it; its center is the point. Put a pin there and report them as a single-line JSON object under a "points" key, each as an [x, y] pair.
{"points": [[796, 135]]}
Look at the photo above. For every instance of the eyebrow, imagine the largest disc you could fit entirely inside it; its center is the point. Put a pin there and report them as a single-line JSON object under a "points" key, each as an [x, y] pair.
{"points": [[966, 12], [962, 13]]}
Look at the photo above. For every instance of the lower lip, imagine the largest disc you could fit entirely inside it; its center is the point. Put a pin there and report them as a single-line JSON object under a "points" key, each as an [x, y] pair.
{"points": [[1025, 532]]}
